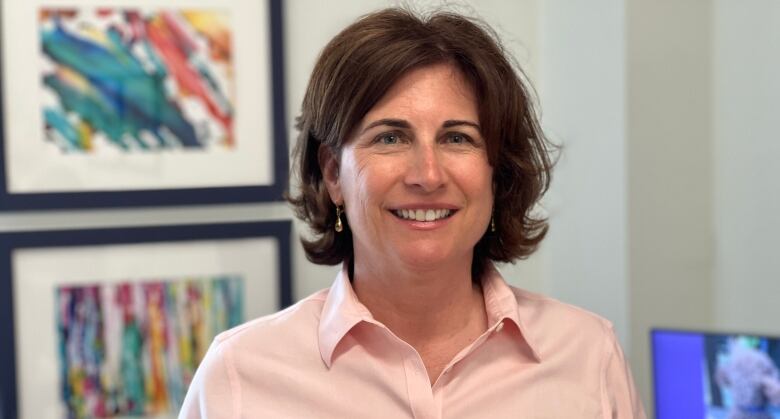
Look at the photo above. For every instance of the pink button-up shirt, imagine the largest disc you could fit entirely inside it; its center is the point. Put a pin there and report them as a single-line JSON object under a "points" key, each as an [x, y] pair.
{"points": [[327, 357]]}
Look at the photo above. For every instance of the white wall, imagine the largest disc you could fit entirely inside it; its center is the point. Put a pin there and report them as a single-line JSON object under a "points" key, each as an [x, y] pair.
{"points": [[583, 91], [746, 204], [669, 160]]}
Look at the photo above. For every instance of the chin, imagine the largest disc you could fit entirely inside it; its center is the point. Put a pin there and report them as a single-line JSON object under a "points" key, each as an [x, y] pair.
{"points": [[427, 258]]}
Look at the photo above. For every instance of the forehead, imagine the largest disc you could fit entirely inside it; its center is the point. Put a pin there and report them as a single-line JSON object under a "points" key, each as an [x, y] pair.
{"points": [[429, 90]]}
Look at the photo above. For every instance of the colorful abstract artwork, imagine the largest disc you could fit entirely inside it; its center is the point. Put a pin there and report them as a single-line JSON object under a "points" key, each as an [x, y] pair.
{"points": [[136, 80], [132, 348]]}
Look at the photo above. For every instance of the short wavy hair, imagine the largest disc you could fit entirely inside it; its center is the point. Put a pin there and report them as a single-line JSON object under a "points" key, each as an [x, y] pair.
{"points": [[354, 72]]}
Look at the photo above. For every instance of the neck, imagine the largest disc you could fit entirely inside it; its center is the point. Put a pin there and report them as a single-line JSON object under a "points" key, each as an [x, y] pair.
{"points": [[425, 308]]}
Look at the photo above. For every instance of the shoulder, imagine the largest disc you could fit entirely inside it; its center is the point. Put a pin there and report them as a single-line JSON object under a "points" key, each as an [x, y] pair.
{"points": [[294, 326], [578, 346], [542, 308], [261, 347], [553, 324]]}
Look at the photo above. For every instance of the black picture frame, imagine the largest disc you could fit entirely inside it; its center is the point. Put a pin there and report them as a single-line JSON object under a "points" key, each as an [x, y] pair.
{"points": [[10, 241], [10, 201]]}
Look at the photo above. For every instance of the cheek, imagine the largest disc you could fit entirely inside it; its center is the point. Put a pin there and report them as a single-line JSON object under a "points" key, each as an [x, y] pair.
{"points": [[363, 182], [487, 179], [490, 187], [478, 175], [349, 172]]}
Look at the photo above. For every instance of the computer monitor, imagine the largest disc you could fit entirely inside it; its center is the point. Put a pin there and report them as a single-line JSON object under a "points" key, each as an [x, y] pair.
{"points": [[715, 375]]}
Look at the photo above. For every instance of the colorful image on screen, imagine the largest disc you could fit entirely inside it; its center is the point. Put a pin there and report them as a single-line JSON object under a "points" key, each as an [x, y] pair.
{"points": [[714, 376]]}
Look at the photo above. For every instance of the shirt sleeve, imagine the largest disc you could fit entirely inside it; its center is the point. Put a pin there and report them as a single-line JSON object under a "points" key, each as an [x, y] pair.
{"points": [[619, 397], [214, 392]]}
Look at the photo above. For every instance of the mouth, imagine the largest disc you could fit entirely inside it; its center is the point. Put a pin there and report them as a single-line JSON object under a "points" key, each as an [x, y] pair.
{"points": [[423, 214]]}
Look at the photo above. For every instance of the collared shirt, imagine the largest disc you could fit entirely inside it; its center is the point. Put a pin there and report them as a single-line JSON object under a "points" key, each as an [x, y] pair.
{"points": [[327, 357]]}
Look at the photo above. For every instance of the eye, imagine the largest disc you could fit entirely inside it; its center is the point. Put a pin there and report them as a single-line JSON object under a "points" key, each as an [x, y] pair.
{"points": [[458, 138], [388, 138]]}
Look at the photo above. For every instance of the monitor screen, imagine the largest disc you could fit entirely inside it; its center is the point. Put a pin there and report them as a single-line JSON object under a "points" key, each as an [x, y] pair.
{"points": [[715, 375]]}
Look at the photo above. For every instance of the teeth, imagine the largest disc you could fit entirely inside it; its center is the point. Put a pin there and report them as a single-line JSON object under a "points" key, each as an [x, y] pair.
{"points": [[423, 214]]}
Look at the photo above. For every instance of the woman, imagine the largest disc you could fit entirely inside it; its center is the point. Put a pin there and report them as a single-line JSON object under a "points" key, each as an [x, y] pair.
{"points": [[420, 158]]}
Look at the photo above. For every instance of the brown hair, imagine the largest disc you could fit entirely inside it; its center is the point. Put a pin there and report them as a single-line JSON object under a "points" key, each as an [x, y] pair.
{"points": [[357, 68]]}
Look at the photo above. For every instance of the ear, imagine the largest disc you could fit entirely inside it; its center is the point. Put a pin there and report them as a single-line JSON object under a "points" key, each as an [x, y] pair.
{"points": [[330, 173]]}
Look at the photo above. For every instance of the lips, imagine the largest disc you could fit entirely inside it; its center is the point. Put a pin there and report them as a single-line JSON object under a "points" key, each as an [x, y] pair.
{"points": [[423, 214]]}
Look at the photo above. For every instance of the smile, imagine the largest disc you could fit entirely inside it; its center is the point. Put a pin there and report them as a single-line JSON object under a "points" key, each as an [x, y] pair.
{"points": [[423, 214]]}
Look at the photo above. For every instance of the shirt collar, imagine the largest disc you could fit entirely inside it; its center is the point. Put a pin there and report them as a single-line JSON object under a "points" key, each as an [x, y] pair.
{"points": [[342, 311], [501, 304]]}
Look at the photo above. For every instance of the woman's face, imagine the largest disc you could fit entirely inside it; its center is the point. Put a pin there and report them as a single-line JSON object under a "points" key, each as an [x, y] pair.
{"points": [[414, 177]]}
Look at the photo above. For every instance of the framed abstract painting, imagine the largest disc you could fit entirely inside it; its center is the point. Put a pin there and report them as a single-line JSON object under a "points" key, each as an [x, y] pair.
{"points": [[113, 322], [141, 103]]}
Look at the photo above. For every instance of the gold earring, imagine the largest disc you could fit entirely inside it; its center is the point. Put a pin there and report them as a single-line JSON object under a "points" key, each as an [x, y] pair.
{"points": [[492, 224], [339, 227]]}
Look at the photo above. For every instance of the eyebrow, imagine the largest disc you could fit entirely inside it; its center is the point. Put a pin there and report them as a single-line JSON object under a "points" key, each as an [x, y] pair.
{"points": [[454, 123], [400, 123], [396, 123]]}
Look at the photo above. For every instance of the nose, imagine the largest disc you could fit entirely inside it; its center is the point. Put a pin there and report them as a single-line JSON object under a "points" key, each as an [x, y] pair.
{"points": [[425, 170]]}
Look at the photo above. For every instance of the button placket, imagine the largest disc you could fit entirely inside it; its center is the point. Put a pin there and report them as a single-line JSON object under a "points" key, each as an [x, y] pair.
{"points": [[419, 387]]}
